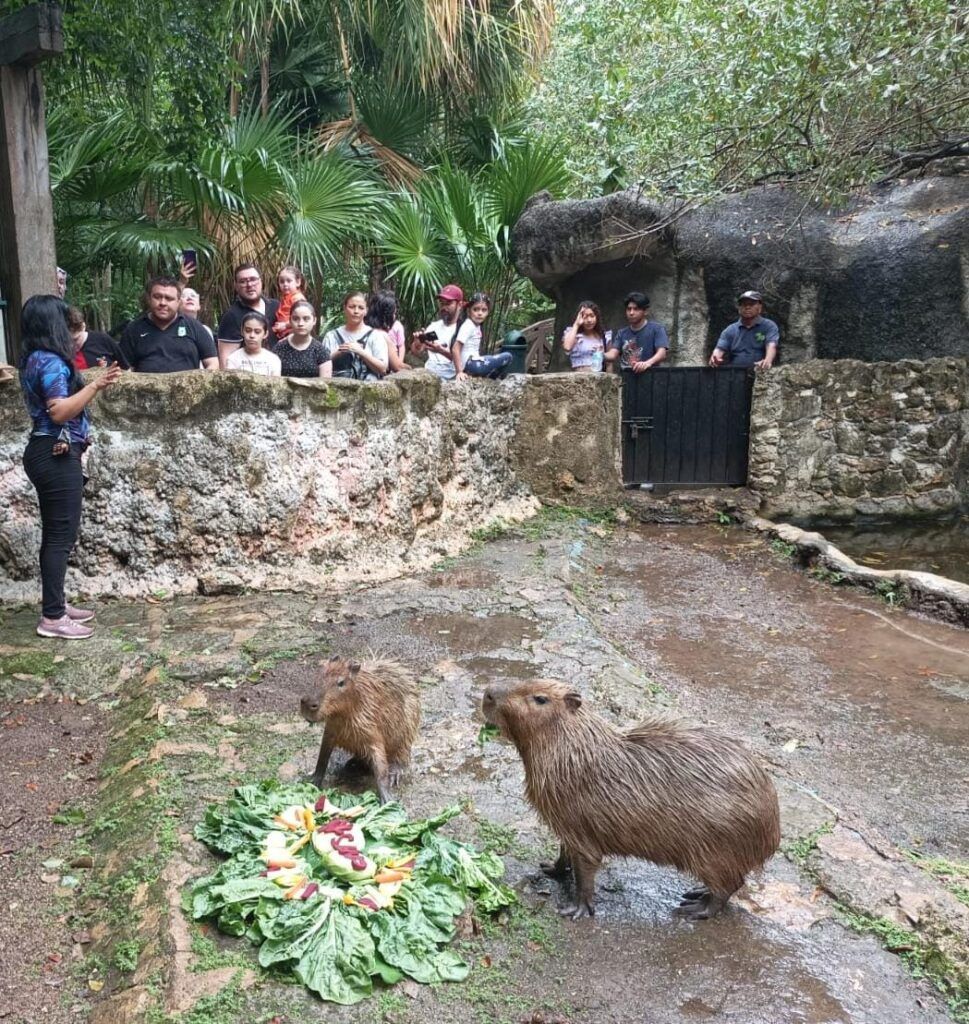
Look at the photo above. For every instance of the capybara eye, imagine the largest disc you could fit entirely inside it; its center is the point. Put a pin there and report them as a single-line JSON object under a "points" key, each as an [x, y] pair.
{"points": [[539, 699], [340, 684]]}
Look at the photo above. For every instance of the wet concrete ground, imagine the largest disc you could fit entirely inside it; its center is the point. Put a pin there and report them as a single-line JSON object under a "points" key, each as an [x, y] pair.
{"points": [[863, 705]]}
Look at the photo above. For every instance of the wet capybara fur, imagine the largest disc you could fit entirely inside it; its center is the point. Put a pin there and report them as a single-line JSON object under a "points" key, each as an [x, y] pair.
{"points": [[372, 710], [664, 790]]}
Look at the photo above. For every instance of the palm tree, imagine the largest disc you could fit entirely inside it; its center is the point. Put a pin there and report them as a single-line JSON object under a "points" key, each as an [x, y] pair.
{"points": [[456, 226]]}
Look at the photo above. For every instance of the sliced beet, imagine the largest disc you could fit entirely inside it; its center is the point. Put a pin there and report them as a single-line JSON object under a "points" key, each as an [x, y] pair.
{"points": [[367, 902], [320, 804], [358, 863], [310, 890]]}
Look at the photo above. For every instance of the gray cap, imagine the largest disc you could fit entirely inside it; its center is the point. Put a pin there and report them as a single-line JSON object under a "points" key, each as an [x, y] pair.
{"points": [[749, 297]]}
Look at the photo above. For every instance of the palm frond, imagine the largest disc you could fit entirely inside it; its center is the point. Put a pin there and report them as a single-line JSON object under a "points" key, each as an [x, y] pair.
{"points": [[330, 205]]}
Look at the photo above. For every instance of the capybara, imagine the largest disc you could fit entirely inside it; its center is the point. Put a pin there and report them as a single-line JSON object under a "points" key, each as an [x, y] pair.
{"points": [[664, 790], [371, 710]]}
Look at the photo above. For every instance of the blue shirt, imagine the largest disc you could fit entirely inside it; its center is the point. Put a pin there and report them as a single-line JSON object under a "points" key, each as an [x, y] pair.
{"points": [[748, 345], [47, 376], [637, 346]]}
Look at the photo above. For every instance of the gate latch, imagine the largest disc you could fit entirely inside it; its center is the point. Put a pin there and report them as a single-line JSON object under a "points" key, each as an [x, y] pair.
{"points": [[637, 423]]}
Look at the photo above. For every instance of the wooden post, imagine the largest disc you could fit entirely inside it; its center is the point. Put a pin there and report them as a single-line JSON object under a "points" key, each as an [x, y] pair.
{"points": [[28, 260]]}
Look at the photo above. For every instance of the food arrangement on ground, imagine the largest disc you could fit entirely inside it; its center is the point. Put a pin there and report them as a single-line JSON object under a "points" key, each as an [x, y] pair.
{"points": [[342, 894]]}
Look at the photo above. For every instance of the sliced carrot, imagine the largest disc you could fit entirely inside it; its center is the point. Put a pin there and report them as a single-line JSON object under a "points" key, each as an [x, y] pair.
{"points": [[308, 822], [390, 876], [283, 823], [291, 894]]}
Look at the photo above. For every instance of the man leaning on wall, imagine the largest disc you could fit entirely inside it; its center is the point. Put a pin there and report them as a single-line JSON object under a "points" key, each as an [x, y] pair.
{"points": [[751, 340]]}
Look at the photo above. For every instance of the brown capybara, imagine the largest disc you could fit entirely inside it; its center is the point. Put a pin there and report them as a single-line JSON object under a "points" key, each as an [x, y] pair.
{"points": [[663, 790], [371, 710]]}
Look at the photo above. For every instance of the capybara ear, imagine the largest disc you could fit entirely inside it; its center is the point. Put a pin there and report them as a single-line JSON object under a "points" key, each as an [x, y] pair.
{"points": [[573, 700], [334, 657], [354, 667]]}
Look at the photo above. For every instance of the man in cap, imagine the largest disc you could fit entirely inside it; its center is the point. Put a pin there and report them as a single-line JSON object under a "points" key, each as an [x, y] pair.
{"points": [[750, 341], [438, 337]]}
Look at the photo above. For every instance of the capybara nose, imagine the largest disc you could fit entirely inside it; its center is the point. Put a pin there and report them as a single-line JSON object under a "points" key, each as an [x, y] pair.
{"points": [[488, 699], [309, 705]]}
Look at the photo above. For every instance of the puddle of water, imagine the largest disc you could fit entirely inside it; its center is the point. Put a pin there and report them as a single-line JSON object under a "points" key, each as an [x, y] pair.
{"points": [[939, 545], [466, 634]]}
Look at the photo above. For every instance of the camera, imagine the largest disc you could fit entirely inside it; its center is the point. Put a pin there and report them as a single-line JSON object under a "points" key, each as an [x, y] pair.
{"points": [[427, 336]]}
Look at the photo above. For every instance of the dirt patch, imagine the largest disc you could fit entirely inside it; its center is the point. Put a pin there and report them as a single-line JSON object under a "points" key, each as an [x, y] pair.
{"points": [[51, 752]]}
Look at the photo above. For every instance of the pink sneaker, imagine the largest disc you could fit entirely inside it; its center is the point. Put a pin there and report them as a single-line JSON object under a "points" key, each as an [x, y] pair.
{"points": [[64, 628], [78, 614]]}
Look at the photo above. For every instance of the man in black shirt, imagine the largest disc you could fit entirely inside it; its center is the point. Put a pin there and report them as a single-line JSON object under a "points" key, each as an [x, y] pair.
{"points": [[249, 299], [164, 340]]}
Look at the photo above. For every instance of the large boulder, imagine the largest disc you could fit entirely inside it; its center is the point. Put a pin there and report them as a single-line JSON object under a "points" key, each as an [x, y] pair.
{"points": [[885, 277]]}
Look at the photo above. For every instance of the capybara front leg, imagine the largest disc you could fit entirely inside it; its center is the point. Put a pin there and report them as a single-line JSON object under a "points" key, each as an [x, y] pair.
{"points": [[323, 761], [381, 772], [585, 870], [395, 772], [561, 867]]}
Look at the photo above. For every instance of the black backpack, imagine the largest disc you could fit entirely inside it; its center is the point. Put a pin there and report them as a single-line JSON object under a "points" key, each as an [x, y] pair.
{"points": [[348, 364]]}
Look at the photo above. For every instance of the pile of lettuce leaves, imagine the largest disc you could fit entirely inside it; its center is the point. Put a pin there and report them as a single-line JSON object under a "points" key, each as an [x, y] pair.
{"points": [[336, 935]]}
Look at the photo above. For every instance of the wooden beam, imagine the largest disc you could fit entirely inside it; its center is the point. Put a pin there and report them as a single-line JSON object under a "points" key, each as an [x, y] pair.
{"points": [[28, 261], [31, 34]]}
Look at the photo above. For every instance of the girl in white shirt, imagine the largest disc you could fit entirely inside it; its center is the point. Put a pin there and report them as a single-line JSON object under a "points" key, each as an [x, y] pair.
{"points": [[467, 352], [252, 357]]}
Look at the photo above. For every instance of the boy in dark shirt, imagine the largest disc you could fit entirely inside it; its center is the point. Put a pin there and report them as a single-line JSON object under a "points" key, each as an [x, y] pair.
{"points": [[641, 344]]}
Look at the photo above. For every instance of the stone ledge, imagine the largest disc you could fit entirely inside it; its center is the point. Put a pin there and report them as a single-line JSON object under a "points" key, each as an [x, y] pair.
{"points": [[935, 595]]}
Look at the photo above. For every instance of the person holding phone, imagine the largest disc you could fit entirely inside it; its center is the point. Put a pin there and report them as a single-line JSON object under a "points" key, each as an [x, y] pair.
{"points": [[56, 398], [438, 337]]}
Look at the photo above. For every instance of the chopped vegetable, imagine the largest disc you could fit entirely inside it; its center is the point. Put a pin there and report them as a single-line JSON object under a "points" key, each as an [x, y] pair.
{"points": [[488, 732], [372, 895]]}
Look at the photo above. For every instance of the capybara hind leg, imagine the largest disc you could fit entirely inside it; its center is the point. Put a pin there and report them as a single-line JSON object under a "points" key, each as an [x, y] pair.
{"points": [[561, 867], [702, 908], [322, 762], [395, 772], [585, 871]]}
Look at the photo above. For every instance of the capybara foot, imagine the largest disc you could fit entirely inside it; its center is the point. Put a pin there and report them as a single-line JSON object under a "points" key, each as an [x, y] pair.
{"points": [[694, 894], [561, 867], [316, 780], [394, 774], [701, 909], [577, 911]]}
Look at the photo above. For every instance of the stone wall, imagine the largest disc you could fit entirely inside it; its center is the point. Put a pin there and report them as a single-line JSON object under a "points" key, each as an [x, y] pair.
{"points": [[848, 438], [236, 480]]}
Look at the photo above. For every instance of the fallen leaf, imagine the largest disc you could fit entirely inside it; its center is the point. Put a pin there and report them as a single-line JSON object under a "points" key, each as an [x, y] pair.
{"points": [[95, 984]]}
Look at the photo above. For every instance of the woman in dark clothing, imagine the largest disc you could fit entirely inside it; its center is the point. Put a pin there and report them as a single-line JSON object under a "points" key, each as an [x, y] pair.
{"points": [[56, 400]]}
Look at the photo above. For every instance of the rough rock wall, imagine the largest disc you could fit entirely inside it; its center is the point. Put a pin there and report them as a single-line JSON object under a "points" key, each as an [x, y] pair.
{"points": [[848, 438], [885, 277], [232, 479]]}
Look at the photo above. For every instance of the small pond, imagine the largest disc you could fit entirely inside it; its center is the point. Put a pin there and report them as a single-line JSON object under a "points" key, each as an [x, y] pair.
{"points": [[935, 545]]}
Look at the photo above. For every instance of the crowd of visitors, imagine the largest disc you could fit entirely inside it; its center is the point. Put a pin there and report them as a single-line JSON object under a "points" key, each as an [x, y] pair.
{"points": [[278, 336]]}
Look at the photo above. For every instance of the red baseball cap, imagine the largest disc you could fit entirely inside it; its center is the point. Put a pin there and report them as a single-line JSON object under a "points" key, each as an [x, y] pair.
{"points": [[452, 293]]}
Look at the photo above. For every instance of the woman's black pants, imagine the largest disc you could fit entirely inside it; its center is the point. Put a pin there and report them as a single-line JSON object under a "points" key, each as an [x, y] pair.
{"points": [[59, 481]]}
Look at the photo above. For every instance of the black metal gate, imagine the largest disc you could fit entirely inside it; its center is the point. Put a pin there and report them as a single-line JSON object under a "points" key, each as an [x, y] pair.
{"points": [[686, 425]]}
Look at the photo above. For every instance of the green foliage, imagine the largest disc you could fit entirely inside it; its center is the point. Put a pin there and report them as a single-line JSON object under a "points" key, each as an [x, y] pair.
{"points": [[696, 97], [920, 956], [783, 548], [954, 875], [126, 955]]}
